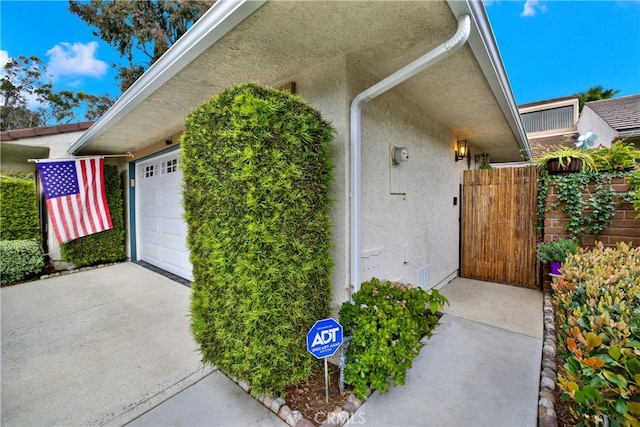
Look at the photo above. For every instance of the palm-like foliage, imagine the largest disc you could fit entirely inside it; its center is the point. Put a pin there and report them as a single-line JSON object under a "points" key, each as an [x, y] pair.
{"points": [[595, 93]]}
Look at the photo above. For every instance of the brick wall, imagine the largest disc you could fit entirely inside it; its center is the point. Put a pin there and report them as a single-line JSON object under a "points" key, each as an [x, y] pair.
{"points": [[624, 227]]}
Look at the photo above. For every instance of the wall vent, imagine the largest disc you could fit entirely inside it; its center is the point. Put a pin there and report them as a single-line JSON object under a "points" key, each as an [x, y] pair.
{"points": [[422, 277]]}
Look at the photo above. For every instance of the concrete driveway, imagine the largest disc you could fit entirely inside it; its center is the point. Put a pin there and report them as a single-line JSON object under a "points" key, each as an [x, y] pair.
{"points": [[103, 347]]}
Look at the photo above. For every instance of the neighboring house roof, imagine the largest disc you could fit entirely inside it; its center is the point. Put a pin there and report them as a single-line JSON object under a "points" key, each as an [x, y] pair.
{"points": [[269, 42], [622, 114], [17, 146], [12, 135], [547, 102]]}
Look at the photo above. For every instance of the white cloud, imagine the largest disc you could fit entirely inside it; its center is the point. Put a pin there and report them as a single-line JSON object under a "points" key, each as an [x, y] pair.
{"points": [[4, 58], [531, 7], [77, 59]]}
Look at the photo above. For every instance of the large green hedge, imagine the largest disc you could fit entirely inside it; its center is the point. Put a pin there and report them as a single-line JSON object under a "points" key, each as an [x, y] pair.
{"points": [[257, 170], [19, 219], [106, 246]]}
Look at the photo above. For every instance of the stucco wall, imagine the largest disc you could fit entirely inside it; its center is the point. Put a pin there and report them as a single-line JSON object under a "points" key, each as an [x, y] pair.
{"points": [[592, 122], [401, 234], [405, 233]]}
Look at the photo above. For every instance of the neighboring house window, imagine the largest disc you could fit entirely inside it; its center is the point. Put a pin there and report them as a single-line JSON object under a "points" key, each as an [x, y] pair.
{"points": [[554, 118]]}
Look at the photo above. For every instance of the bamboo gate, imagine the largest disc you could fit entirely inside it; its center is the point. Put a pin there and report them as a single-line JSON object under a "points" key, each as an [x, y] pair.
{"points": [[499, 225]]}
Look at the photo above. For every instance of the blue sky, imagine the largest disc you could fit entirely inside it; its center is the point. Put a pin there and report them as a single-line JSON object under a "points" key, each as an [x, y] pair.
{"points": [[550, 49]]}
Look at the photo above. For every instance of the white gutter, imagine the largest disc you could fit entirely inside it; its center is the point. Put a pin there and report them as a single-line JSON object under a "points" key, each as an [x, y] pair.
{"points": [[211, 27], [408, 71]]}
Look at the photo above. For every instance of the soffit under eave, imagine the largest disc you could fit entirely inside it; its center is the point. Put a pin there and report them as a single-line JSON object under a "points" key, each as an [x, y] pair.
{"points": [[261, 49]]}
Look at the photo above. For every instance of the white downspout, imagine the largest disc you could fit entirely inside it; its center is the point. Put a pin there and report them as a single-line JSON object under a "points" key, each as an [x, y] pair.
{"points": [[428, 59]]}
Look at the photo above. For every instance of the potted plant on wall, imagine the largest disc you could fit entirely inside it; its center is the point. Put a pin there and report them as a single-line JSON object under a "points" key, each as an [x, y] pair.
{"points": [[555, 251], [566, 160], [621, 156]]}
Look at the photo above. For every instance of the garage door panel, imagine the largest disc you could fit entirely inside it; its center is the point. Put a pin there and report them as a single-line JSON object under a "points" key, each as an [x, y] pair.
{"points": [[173, 227], [151, 251], [151, 225], [162, 232]]}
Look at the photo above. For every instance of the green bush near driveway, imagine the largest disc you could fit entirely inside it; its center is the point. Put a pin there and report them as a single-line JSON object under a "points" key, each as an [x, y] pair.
{"points": [[597, 304], [257, 169], [19, 218], [19, 260]]}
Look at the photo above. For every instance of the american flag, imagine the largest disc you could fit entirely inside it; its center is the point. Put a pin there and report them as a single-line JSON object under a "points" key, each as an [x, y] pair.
{"points": [[76, 199]]}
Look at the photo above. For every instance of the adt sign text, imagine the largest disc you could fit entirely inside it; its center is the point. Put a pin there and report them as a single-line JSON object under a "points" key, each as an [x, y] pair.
{"points": [[324, 338]]}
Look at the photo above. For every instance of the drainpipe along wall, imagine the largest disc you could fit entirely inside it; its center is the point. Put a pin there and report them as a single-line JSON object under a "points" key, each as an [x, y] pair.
{"points": [[408, 71]]}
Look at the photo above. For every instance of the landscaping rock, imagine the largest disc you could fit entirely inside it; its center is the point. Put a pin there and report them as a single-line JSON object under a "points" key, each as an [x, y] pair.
{"points": [[549, 351], [267, 401], [548, 383], [284, 412], [305, 423], [277, 404], [353, 399], [349, 407], [293, 418]]}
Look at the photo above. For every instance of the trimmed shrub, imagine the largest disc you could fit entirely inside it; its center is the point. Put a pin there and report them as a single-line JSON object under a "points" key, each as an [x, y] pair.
{"points": [[19, 260], [386, 321], [106, 246], [19, 218], [597, 303], [257, 169]]}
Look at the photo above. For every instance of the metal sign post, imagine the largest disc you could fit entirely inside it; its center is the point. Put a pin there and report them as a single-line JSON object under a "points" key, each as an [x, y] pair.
{"points": [[323, 340]]}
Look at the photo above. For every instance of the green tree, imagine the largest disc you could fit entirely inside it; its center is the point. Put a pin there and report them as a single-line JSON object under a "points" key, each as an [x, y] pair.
{"points": [[28, 99], [595, 93], [139, 28]]}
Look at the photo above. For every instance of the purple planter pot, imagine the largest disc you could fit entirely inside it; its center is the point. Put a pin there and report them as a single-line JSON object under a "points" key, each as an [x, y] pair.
{"points": [[555, 267]]}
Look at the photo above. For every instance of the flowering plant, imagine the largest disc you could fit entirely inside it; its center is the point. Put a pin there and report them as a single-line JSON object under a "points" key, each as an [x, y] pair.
{"points": [[556, 250]]}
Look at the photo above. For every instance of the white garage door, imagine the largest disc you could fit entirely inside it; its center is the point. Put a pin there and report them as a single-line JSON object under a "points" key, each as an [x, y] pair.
{"points": [[160, 227]]}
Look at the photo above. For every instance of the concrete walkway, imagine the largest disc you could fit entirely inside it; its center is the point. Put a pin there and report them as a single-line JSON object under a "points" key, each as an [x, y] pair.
{"points": [[105, 346], [480, 368], [112, 346]]}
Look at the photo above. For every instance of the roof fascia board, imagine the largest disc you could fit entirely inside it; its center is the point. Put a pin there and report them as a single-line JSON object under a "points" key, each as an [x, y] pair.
{"points": [[485, 49], [542, 107], [211, 27]]}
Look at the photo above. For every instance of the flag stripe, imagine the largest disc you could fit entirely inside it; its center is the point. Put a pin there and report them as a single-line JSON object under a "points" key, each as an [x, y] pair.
{"points": [[102, 197], [87, 211], [76, 197]]}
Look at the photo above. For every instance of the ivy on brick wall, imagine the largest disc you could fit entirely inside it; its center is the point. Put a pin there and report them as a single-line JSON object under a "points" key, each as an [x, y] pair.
{"points": [[587, 200]]}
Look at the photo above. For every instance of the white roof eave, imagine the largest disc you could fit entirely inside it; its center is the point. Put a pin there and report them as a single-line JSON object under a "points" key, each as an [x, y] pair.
{"points": [[485, 49], [211, 27]]}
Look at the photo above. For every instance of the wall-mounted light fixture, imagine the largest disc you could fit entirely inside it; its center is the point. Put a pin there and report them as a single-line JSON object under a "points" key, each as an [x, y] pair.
{"points": [[168, 142], [462, 149]]}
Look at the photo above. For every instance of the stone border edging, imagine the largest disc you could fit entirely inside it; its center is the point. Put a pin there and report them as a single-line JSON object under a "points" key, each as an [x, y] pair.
{"points": [[77, 270], [294, 418], [549, 370]]}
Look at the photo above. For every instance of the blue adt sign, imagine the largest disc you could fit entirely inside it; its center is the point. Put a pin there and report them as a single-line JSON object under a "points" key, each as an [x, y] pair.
{"points": [[324, 338]]}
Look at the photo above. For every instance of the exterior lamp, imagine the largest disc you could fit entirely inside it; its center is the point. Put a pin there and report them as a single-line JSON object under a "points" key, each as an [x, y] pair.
{"points": [[462, 149]]}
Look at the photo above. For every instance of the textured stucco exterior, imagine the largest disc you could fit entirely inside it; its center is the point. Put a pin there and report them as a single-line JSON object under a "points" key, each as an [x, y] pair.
{"points": [[404, 233], [590, 121], [333, 51]]}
